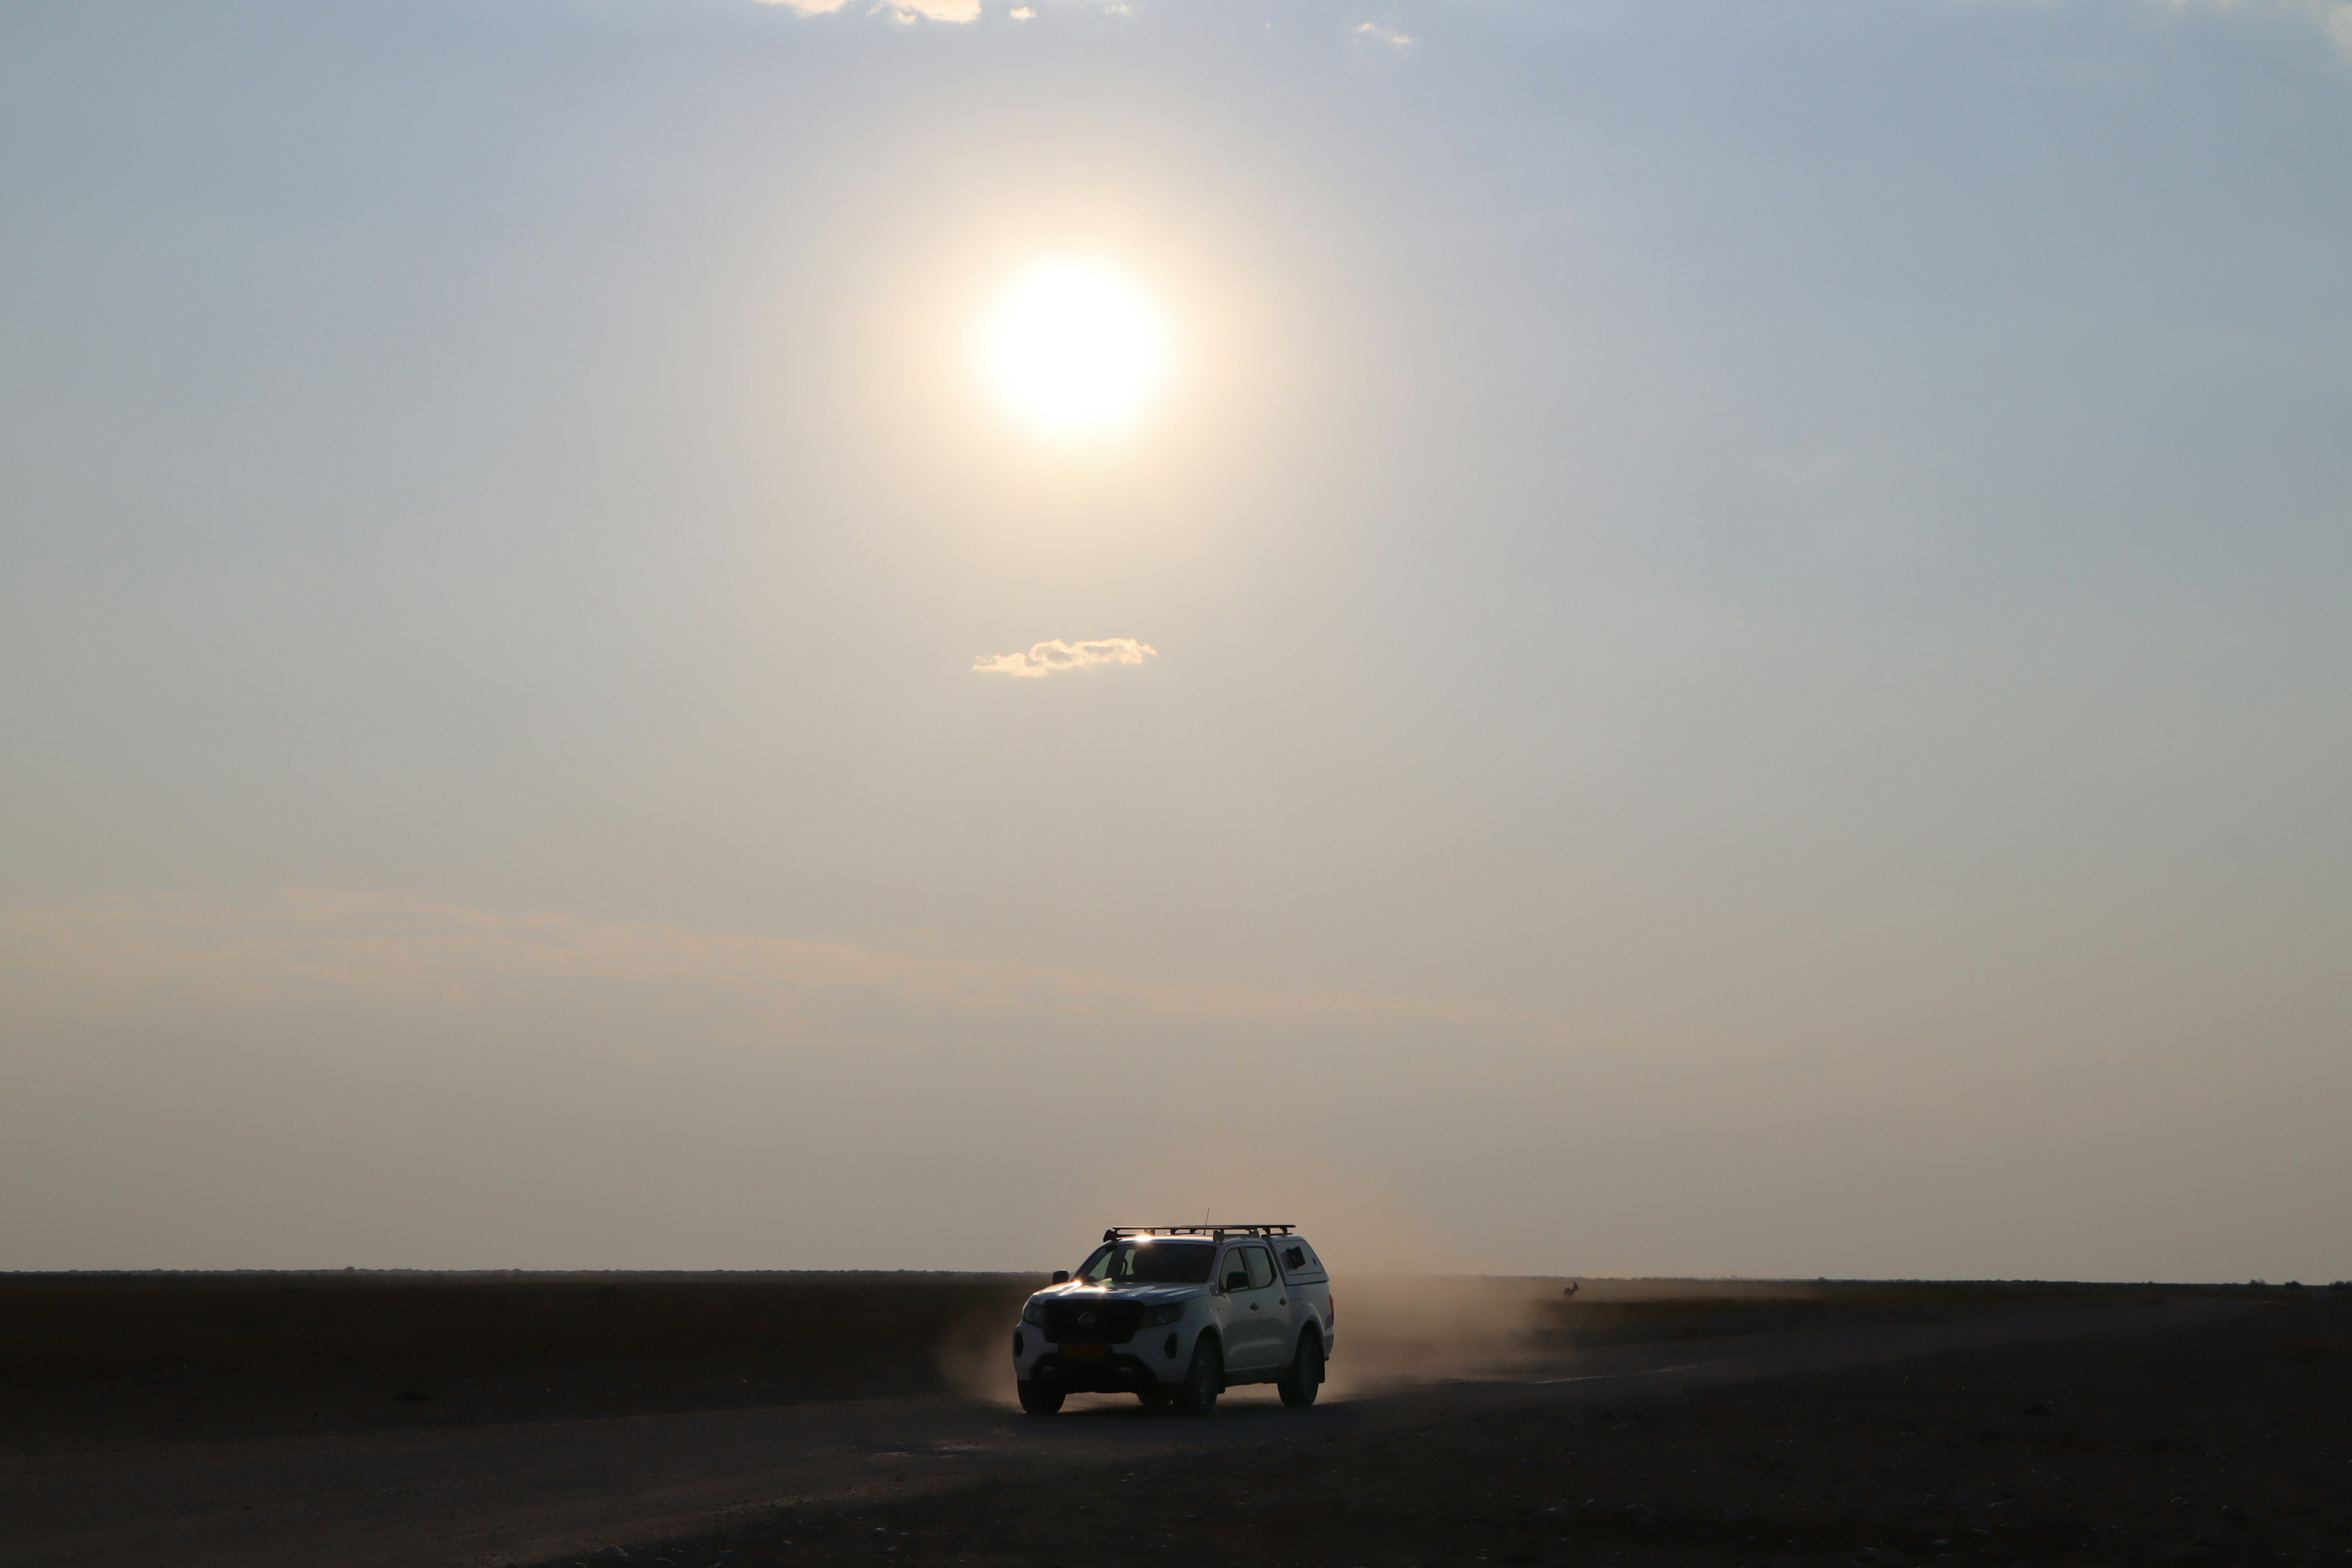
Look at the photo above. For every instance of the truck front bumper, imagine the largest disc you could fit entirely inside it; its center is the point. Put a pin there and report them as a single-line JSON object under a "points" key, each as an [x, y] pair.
{"points": [[1120, 1372]]}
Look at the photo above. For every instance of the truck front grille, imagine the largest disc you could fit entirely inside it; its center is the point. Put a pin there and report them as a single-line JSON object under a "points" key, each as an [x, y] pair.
{"points": [[1091, 1322]]}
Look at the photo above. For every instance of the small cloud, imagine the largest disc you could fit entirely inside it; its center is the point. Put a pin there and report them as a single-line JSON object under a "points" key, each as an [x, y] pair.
{"points": [[1046, 658], [1382, 35], [1022, 13]]}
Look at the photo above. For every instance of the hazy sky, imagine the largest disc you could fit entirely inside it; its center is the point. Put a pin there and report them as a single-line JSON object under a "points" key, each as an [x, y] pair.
{"points": [[1720, 645]]}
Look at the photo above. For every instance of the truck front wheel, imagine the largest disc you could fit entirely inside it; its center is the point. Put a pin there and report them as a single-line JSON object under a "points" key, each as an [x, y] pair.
{"points": [[1039, 1401], [1197, 1394]]}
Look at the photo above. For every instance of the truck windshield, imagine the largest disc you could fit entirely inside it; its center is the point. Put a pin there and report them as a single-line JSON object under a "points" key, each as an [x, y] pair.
{"points": [[1146, 1262]]}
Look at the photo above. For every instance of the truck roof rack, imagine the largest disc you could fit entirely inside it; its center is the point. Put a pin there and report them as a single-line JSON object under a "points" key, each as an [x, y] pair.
{"points": [[1219, 1229]]}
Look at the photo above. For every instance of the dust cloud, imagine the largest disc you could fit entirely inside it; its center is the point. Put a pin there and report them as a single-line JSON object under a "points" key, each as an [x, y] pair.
{"points": [[975, 1358], [1393, 1329], [1397, 1330]]}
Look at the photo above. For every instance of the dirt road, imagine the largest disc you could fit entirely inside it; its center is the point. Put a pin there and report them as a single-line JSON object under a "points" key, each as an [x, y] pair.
{"points": [[525, 1492]]}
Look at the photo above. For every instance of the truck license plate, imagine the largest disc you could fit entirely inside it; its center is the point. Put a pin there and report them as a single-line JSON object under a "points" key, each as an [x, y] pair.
{"points": [[1084, 1352]]}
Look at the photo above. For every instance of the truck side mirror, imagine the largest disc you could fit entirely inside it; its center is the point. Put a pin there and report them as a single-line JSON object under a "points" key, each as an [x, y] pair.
{"points": [[1237, 1280], [1061, 1277]]}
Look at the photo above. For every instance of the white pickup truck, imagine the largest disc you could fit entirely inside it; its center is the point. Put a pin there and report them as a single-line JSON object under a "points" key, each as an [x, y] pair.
{"points": [[1178, 1314]]}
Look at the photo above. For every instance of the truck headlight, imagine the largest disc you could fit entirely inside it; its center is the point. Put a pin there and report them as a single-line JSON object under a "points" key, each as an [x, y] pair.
{"points": [[1034, 1312], [1155, 1316]]}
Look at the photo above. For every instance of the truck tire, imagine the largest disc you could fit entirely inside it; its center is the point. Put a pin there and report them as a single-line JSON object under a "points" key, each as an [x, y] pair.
{"points": [[1299, 1385], [1197, 1394], [1037, 1401]]}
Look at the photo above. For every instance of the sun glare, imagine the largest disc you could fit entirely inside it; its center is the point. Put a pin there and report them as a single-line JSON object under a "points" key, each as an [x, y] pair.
{"points": [[1075, 348]]}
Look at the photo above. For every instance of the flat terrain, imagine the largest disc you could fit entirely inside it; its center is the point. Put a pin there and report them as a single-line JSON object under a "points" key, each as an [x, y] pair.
{"points": [[135, 1360], [2203, 1434], [1641, 1423], [109, 1360]]}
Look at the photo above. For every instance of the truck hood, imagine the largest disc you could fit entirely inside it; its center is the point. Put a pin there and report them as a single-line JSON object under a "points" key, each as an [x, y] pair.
{"points": [[1150, 1295]]}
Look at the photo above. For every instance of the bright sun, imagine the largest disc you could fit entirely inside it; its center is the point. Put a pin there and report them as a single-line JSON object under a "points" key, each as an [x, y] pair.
{"points": [[1075, 347]]}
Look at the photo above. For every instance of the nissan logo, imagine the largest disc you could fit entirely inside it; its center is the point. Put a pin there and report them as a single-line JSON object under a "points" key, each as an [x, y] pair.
{"points": [[1086, 1319]]}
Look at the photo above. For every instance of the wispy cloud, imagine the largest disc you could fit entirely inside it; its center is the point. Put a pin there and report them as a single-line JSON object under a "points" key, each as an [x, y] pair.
{"points": [[2334, 16], [911, 11], [1046, 658], [164, 953], [900, 10]]}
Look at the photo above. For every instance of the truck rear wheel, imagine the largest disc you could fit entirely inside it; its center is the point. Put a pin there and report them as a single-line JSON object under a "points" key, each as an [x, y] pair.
{"points": [[1197, 1394], [1299, 1385], [1037, 1401]]}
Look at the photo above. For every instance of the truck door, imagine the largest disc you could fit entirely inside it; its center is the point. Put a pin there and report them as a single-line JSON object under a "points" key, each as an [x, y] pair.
{"points": [[1256, 1320]]}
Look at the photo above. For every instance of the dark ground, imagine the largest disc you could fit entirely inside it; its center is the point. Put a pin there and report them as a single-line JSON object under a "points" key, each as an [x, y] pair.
{"points": [[2225, 1442], [108, 1360], [286, 1421], [117, 1359]]}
